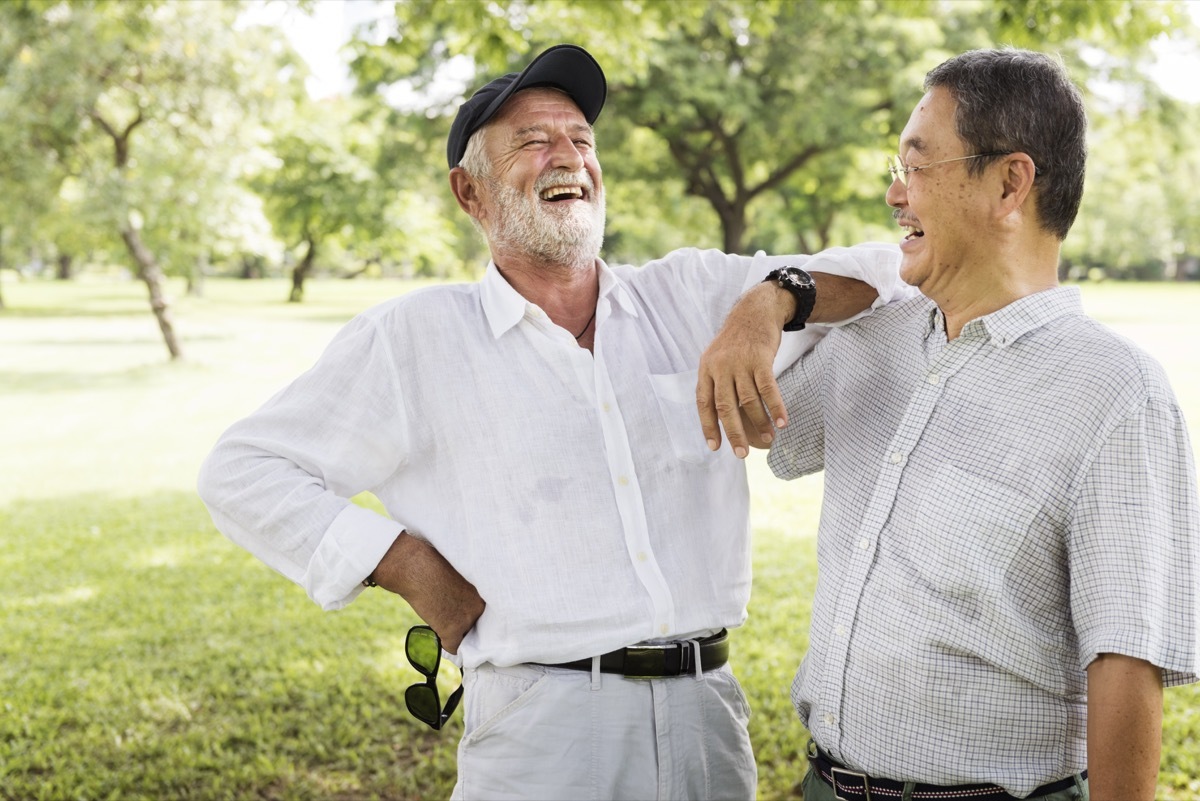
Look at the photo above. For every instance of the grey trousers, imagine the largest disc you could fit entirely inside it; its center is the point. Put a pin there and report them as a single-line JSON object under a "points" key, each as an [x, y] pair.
{"points": [[535, 733]]}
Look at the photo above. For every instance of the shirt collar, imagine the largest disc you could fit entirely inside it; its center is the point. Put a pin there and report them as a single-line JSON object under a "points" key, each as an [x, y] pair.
{"points": [[504, 307], [1005, 326]]}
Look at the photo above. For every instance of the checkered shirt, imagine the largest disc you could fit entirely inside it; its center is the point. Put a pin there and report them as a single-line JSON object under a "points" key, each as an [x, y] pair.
{"points": [[998, 511]]}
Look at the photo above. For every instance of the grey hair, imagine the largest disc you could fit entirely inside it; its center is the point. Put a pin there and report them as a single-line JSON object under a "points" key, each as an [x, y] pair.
{"points": [[475, 160], [1020, 101]]}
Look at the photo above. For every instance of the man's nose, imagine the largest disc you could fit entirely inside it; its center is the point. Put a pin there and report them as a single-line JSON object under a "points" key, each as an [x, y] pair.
{"points": [[897, 194], [565, 154]]}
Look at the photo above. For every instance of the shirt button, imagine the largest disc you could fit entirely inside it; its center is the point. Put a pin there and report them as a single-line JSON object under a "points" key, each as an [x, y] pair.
{"points": [[663, 628], [623, 481], [828, 718], [641, 556], [864, 544], [606, 407], [897, 457], [840, 631], [933, 378]]}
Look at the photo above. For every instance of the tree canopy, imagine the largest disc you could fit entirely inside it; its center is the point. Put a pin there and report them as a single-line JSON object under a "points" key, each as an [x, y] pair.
{"points": [[176, 138]]}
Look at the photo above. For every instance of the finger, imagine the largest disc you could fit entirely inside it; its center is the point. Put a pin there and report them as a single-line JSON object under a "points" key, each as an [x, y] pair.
{"points": [[707, 409], [768, 392], [753, 412], [730, 413]]}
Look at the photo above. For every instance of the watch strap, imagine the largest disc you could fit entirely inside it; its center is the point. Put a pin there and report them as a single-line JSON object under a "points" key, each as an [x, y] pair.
{"points": [[802, 287]]}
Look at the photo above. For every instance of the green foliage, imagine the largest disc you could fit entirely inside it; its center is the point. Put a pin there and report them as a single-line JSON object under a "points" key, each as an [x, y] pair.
{"points": [[775, 115], [155, 108], [144, 657], [734, 123]]}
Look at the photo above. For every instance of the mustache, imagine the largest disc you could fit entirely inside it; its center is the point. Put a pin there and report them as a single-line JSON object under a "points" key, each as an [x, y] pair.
{"points": [[902, 218], [559, 176]]}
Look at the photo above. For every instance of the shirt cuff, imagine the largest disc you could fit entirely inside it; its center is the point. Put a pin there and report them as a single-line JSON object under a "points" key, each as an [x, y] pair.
{"points": [[352, 547]]}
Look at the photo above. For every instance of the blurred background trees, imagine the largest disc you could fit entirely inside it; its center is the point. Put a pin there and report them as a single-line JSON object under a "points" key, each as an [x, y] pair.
{"points": [[163, 138]]}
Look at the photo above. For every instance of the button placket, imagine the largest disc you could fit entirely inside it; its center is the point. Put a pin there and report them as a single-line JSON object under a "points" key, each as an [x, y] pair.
{"points": [[626, 487]]}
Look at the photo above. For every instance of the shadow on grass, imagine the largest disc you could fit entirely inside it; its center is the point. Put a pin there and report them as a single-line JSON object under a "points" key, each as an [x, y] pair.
{"points": [[145, 656]]}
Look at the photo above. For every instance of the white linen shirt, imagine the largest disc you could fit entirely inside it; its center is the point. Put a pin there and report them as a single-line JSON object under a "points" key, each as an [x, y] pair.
{"points": [[574, 490], [998, 510]]}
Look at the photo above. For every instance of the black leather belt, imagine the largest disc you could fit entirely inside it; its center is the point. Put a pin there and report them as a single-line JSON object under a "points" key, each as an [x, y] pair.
{"points": [[659, 661], [853, 785]]}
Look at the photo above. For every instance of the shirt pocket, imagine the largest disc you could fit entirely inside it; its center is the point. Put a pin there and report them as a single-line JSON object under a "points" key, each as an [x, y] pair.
{"points": [[676, 395], [967, 532]]}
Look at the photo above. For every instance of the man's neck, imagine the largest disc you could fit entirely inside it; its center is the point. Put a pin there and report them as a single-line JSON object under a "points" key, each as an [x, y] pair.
{"points": [[978, 289], [567, 294]]}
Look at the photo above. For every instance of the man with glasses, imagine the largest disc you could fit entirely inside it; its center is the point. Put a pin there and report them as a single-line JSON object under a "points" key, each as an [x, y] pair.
{"points": [[1009, 536], [534, 439]]}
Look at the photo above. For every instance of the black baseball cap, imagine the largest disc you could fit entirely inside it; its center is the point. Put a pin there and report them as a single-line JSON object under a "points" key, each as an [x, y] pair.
{"points": [[566, 67]]}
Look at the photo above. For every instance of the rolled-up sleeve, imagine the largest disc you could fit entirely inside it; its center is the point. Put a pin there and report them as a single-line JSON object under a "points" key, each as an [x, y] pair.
{"points": [[279, 483]]}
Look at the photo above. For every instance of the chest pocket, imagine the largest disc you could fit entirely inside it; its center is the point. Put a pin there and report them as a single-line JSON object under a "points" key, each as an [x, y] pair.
{"points": [[676, 394], [968, 530]]}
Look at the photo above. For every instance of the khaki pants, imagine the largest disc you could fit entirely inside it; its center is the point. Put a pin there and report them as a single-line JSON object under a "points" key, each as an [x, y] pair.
{"points": [[533, 732]]}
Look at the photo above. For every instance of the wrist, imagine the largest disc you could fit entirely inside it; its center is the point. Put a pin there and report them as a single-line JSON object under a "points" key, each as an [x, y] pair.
{"points": [[801, 292]]}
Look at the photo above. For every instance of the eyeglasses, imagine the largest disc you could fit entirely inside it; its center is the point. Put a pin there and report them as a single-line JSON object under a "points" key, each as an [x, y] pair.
{"points": [[898, 169], [423, 648]]}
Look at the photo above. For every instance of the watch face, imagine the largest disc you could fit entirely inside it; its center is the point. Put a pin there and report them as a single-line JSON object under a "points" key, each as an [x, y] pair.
{"points": [[797, 277]]}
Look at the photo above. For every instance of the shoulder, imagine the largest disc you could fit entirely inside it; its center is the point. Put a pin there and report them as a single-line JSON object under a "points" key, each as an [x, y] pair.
{"points": [[1108, 364], [901, 315], [426, 304], [682, 260]]}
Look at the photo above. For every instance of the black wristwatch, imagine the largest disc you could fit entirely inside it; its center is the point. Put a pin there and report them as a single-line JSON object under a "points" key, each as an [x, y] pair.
{"points": [[803, 289]]}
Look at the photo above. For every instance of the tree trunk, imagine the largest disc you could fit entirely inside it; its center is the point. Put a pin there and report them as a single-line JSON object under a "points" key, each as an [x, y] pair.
{"points": [[63, 273], [251, 267], [195, 277], [152, 275], [733, 228], [300, 272]]}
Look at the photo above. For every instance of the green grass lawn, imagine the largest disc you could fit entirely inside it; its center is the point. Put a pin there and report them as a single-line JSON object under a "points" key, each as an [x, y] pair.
{"points": [[143, 656]]}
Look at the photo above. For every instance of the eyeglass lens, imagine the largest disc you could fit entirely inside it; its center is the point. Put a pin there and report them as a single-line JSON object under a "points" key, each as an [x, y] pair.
{"points": [[423, 704], [424, 651]]}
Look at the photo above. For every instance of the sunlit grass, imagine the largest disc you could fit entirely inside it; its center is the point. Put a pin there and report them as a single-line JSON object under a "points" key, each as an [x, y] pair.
{"points": [[142, 656]]}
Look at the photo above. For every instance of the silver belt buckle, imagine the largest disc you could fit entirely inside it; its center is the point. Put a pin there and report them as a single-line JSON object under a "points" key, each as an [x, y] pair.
{"points": [[834, 771]]}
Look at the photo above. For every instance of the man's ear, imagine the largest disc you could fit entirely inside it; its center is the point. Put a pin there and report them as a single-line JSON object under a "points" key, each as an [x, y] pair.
{"points": [[1018, 175], [466, 192]]}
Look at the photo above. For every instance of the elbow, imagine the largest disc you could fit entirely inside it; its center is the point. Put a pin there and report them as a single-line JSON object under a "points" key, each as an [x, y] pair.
{"points": [[212, 480]]}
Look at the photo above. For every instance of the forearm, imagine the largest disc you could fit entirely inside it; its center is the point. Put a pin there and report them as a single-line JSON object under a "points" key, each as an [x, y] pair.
{"points": [[839, 298], [437, 592], [1124, 729]]}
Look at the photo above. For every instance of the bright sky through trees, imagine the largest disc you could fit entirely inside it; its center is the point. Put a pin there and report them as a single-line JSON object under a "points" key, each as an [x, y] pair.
{"points": [[318, 36]]}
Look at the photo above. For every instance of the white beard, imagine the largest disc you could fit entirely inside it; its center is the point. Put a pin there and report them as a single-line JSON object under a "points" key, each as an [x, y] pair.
{"points": [[569, 235]]}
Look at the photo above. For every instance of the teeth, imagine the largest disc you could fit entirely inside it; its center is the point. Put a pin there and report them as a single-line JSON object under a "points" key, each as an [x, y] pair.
{"points": [[554, 192]]}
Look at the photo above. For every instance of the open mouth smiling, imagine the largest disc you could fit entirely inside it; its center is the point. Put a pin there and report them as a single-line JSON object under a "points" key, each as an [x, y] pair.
{"points": [[914, 229], [556, 194]]}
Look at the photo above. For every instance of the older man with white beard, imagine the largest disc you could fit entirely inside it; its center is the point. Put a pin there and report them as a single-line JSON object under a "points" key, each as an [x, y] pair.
{"points": [[553, 511]]}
